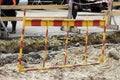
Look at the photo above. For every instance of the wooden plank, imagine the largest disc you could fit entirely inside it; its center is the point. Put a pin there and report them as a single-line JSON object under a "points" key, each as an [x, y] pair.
{"points": [[116, 3], [21, 18], [42, 6], [116, 13], [34, 7]]}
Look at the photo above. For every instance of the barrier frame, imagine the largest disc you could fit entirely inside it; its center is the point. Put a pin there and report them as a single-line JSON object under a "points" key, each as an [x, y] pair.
{"points": [[66, 22]]}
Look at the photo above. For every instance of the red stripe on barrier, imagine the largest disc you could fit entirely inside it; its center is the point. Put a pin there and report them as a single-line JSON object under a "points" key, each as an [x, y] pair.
{"points": [[103, 42], [66, 47], [20, 60], [45, 48], [96, 22], [75, 65], [36, 22], [65, 60], [85, 47], [78, 23], [21, 44], [104, 29], [58, 22], [23, 31], [54, 67], [47, 33], [86, 33], [102, 51], [43, 63]]}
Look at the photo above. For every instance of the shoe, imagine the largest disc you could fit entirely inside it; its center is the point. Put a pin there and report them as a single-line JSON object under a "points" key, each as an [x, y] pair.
{"points": [[13, 32]]}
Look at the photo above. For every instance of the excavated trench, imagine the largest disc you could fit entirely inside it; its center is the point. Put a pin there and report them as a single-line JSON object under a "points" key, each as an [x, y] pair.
{"points": [[10, 47], [34, 44]]}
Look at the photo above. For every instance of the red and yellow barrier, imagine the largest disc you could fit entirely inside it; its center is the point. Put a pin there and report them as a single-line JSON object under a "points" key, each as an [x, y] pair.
{"points": [[65, 22], [58, 23]]}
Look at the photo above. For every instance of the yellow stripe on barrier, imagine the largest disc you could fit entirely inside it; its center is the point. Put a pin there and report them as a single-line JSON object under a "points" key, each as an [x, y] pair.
{"points": [[103, 23], [28, 23]]}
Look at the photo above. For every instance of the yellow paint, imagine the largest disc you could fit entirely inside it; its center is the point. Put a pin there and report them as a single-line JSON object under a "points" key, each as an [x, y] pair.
{"points": [[104, 36], [84, 23], [46, 40], [65, 23], [43, 23], [101, 58], [20, 68], [22, 37], [21, 50], [102, 23], [67, 40], [66, 66], [86, 39], [28, 23], [90, 22], [51, 23], [45, 54], [103, 47], [71, 23]]}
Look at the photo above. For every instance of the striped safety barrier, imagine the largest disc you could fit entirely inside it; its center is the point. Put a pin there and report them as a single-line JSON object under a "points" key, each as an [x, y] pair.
{"points": [[65, 22], [58, 23]]}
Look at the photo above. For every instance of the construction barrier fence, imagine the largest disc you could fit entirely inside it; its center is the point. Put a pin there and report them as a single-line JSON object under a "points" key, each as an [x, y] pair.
{"points": [[27, 22]]}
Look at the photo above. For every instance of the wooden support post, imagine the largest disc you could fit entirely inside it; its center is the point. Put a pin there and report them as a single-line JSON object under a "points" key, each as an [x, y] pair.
{"points": [[70, 9], [110, 17]]}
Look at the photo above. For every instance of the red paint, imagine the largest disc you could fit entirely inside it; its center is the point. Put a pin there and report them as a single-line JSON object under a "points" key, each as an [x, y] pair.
{"points": [[36, 22], [21, 44], [54, 67], [57, 22], [102, 51], [85, 48], [20, 60], [104, 29], [65, 60], [78, 22], [43, 63], [96, 22], [23, 31]]}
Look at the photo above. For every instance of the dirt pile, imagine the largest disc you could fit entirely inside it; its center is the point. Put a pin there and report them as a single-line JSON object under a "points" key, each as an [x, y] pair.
{"points": [[108, 70]]}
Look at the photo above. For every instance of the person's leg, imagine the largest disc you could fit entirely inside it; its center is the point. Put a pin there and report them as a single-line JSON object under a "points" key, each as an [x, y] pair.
{"points": [[74, 14], [13, 14], [13, 27]]}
